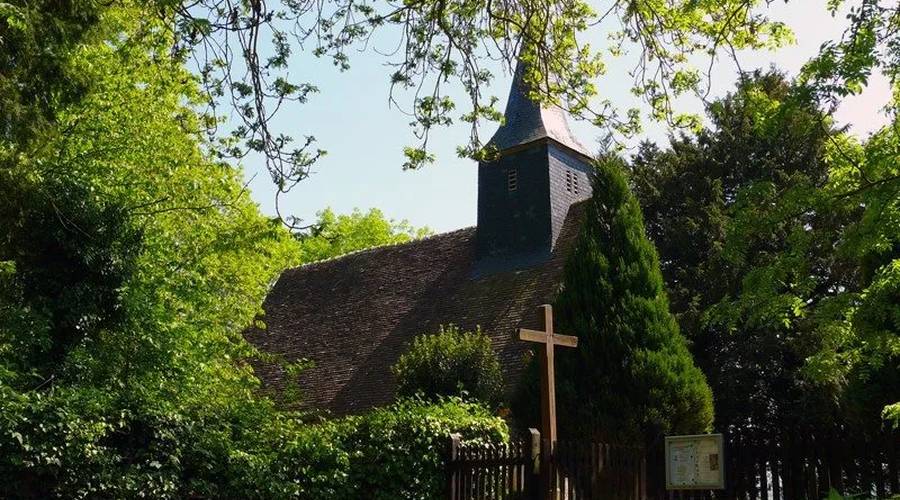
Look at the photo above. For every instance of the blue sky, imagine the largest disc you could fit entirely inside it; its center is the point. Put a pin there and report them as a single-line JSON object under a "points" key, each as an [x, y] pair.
{"points": [[364, 136]]}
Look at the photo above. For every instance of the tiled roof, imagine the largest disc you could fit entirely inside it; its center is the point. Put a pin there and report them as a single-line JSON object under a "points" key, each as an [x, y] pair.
{"points": [[355, 315], [527, 121]]}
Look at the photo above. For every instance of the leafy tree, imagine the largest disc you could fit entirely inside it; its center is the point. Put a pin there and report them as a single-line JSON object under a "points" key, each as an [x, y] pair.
{"points": [[861, 348], [776, 233], [450, 363], [38, 40], [870, 43], [864, 348], [632, 376], [132, 263], [703, 199], [334, 235]]}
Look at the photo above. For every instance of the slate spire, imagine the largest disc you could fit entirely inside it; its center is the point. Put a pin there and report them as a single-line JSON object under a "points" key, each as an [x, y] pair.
{"points": [[524, 193], [528, 121]]}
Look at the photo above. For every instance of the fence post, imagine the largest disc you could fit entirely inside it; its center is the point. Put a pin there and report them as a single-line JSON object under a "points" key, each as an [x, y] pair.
{"points": [[532, 473], [452, 468], [642, 494], [535, 451]]}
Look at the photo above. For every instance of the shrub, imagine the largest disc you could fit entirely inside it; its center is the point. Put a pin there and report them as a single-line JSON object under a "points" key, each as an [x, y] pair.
{"points": [[450, 363], [398, 452]]}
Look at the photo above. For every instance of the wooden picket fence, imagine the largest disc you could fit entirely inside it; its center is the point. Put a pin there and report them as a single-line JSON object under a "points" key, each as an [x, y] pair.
{"points": [[589, 470], [805, 468], [807, 465], [476, 472], [577, 470]]}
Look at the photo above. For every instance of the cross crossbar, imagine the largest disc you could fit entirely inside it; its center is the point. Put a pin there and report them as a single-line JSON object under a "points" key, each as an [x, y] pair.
{"points": [[541, 337]]}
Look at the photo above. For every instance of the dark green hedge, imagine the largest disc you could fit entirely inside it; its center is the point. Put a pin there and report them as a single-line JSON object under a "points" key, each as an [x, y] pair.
{"points": [[392, 452]]}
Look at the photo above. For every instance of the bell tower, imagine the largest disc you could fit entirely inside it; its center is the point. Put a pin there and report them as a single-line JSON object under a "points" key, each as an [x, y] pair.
{"points": [[525, 193]]}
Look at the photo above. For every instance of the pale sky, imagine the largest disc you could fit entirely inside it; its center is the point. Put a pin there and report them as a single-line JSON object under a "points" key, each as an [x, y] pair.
{"points": [[364, 137]]}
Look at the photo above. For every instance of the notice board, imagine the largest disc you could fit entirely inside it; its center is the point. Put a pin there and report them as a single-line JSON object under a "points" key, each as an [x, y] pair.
{"points": [[695, 462]]}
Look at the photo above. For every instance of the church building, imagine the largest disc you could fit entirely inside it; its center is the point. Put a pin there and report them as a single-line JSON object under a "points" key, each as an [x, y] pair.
{"points": [[353, 316]]}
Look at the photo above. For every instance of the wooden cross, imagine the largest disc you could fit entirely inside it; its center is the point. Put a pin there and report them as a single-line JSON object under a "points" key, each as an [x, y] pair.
{"points": [[548, 379]]}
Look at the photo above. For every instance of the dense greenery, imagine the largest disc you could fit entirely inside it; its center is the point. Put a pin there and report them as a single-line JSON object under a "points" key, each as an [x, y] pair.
{"points": [[632, 377], [131, 265], [398, 451], [451, 363], [391, 452], [779, 242], [863, 347], [333, 235]]}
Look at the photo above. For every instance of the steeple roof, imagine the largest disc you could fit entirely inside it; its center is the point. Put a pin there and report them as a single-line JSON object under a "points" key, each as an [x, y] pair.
{"points": [[528, 121]]}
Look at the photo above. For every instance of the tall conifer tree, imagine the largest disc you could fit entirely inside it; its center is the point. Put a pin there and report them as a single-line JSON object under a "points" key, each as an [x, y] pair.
{"points": [[632, 376]]}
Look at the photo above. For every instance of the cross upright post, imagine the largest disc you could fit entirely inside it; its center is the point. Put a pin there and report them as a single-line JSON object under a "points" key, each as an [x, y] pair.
{"points": [[549, 339]]}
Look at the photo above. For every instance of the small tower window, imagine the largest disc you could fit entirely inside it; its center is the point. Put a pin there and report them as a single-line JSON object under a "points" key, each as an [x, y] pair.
{"points": [[512, 180], [571, 182]]}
